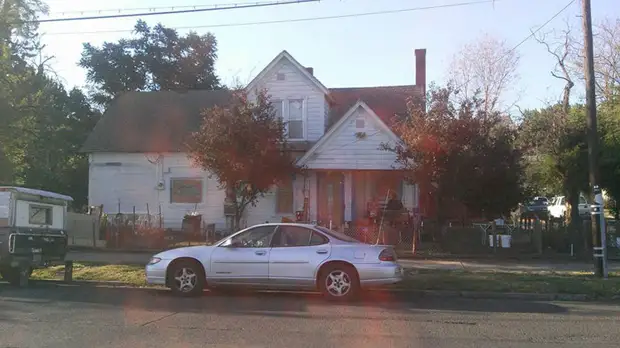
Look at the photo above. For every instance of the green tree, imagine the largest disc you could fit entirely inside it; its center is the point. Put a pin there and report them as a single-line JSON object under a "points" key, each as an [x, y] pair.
{"points": [[244, 146], [468, 154], [156, 58], [43, 125]]}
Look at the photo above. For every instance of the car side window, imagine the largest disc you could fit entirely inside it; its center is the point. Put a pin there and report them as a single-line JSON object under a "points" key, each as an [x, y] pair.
{"points": [[292, 236], [318, 239], [257, 237]]}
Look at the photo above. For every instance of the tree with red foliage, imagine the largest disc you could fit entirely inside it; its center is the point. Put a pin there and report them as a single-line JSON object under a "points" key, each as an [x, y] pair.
{"points": [[465, 152], [243, 145]]}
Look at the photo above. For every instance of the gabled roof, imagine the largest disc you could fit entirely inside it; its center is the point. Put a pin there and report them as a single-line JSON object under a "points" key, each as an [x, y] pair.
{"points": [[341, 122], [385, 101], [285, 55], [152, 121]]}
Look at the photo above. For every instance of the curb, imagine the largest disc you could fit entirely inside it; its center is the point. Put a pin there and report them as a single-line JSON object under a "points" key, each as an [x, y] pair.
{"points": [[114, 251], [474, 295], [504, 295]]}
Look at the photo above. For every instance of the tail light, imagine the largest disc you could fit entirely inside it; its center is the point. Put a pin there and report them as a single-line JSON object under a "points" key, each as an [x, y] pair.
{"points": [[387, 255]]}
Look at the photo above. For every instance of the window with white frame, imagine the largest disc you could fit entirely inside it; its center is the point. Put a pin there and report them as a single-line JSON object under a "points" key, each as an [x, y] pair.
{"points": [[293, 115], [295, 120]]}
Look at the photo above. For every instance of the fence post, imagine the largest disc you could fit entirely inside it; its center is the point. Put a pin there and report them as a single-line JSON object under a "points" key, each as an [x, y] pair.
{"points": [[68, 271], [94, 234], [494, 232], [160, 222], [538, 236]]}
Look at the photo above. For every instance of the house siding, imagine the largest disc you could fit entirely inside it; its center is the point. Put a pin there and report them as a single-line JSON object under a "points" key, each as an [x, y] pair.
{"points": [[297, 86], [122, 181], [345, 151]]}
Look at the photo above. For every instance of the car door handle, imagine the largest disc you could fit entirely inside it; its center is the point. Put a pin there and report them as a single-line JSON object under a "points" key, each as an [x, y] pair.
{"points": [[321, 251], [260, 252]]}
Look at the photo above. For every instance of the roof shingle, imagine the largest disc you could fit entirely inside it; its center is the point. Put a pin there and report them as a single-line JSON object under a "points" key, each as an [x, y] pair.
{"points": [[161, 121]]}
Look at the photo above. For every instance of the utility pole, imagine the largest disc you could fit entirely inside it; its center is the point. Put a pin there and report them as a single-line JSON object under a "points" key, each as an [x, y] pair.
{"points": [[593, 151]]}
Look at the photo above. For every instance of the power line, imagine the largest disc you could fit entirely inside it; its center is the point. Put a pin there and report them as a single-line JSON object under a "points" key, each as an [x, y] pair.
{"points": [[159, 13], [158, 8], [540, 27], [295, 20], [507, 53], [524, 40]]}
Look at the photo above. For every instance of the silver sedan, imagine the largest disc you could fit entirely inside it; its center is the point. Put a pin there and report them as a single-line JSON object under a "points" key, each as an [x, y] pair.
{"points": [[278, 256]]}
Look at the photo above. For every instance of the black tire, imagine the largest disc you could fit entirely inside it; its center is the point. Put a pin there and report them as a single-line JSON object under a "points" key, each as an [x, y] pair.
{"points": [[339, 282], [11, 275], [186, 278]]}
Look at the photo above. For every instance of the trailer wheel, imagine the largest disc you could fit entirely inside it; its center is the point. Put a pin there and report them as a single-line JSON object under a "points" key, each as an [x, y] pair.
{"points": [[12, 275]]}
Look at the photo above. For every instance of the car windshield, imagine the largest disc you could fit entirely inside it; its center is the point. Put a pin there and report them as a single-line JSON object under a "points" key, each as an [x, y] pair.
{"points": [[337, 235]]}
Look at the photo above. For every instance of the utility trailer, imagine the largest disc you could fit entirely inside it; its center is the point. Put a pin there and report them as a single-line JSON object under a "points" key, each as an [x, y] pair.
{"points": [[32, 231]]}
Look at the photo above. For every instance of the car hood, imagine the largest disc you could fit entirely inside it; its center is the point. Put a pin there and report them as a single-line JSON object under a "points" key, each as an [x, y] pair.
{"points": [[194, 251]]}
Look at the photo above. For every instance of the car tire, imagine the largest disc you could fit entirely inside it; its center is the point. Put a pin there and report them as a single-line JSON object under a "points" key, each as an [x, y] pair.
{"points": [[186, 278], [339, 282]]}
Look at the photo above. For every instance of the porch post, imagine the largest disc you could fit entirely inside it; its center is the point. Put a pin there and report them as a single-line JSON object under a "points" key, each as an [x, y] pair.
{"points": [[348, 195]]}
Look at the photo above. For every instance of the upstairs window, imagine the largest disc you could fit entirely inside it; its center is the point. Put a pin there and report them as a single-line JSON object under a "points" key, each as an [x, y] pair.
{"points": [[295, 122], [292, 113]]}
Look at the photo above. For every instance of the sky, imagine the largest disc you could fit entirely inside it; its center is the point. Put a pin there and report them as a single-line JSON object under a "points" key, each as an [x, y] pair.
{"points": [[371, 50]]}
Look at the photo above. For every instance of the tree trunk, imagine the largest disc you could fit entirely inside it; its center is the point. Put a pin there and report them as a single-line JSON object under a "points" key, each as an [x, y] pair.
{"points": [[576, 226]]}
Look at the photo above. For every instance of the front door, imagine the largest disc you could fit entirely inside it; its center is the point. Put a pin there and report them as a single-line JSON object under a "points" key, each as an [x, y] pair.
{"points": [[331, 198], [296, 255], [243, 258]]}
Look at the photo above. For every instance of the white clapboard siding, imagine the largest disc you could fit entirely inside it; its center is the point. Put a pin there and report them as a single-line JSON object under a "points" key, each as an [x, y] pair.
{"points": [[344, 150]]}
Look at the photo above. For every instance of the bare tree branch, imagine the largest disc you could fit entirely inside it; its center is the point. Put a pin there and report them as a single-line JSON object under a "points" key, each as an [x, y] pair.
{"points": [[486, 66]]}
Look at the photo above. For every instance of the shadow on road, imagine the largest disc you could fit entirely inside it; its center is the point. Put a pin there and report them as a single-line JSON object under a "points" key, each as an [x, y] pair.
{"points": [[279, 304]]}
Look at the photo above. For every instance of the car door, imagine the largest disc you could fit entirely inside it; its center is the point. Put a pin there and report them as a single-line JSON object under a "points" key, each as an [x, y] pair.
{"points": [[243, 258], [296, 254]]}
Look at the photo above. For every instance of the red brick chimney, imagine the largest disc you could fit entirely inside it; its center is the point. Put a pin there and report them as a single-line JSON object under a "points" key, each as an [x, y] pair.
{"points": [[420, 68]]}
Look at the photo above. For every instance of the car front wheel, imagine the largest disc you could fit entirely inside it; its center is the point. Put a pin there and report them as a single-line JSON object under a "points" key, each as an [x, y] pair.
{"points": [[186, 278], [339, 282]]}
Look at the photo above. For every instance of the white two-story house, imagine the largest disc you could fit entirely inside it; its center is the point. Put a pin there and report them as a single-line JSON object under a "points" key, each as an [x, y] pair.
{"points": [[137, 159]]}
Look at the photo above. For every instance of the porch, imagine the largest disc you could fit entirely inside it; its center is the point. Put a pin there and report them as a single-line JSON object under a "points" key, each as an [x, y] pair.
{"points": [[347, 197]]}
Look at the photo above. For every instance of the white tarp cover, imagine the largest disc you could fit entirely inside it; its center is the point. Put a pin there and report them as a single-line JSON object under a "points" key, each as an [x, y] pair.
{"points": [[35, 192]]}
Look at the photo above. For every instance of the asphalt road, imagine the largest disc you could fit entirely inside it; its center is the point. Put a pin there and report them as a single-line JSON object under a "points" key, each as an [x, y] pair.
{"points": [[80, 316]]}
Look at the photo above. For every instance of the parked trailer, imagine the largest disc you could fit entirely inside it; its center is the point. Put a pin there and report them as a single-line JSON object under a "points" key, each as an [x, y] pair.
{"points": [[32, 231]]}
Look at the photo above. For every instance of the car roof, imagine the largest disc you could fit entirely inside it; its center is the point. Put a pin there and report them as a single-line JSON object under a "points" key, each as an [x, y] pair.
{"points": [[285, 224]]}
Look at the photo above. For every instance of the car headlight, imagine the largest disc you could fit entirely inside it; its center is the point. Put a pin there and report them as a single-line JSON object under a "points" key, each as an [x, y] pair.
{"points": [[154, 260]]}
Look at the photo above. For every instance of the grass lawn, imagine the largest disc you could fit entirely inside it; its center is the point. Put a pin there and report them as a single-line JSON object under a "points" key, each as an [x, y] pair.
{"points": [[130, 274], [522, 282]]}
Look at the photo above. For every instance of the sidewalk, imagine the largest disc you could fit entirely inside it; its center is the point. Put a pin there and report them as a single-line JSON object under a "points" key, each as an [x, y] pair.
{"points": [[465, 265], [506, 266]]}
